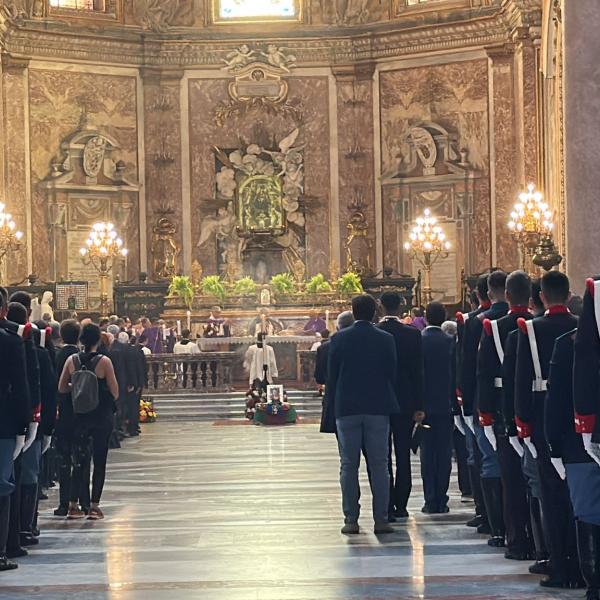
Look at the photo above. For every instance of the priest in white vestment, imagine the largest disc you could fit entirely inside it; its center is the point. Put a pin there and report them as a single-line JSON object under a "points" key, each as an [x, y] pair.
{"points": [[257, 356]]}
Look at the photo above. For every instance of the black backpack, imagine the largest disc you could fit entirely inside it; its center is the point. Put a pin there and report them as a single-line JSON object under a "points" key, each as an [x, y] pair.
{"points": [[84, 385]]}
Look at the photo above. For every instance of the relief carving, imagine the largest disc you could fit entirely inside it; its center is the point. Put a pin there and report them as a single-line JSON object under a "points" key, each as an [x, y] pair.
{"points": [[159, 15]]}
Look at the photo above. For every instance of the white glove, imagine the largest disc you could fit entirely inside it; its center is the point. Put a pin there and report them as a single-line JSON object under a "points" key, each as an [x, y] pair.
{"points": [[531, 447], [46, 443], [459, 424], [558, 464], [592, 449], [469, 422], [19, 443], [516, 444], [31, 435], [491, 436]]}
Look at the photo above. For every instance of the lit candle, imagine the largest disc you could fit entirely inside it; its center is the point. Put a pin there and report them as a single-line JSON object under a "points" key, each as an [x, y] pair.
{"points": [[179, 328], [327, 319], [189, 320]]}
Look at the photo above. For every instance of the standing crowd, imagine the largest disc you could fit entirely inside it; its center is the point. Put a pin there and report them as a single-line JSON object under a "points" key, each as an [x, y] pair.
{"points": [[68, 393], [512, 389]]}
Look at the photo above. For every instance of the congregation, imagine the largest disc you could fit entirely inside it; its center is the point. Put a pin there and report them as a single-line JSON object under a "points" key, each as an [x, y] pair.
{"points": [[511, 395]]}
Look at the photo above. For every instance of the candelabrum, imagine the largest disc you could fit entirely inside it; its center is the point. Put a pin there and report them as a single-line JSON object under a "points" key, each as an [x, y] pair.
{"points": [[101, 249], [427, 245], [10, 238], [531, 227]]}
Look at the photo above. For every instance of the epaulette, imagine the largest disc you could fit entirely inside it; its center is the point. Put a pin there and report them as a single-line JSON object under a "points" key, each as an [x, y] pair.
{"points": [[461, 318], [487, 327], [24, 331], [589, 285], [44, 335], [522, 324]]}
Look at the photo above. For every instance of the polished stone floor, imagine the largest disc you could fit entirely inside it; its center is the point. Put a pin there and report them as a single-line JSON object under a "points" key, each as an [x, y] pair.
{"points": [[240, 512]]}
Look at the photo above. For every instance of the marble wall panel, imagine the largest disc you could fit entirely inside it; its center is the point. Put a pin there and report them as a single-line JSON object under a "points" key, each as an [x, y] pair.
{"points": [[355, 146], [56, 101], [162, 129], [15, 98], [312, 94], [455, 96]]}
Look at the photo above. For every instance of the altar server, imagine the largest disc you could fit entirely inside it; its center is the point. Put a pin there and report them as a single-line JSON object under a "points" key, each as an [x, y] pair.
{"points": [[260, 364], [534, 351]]}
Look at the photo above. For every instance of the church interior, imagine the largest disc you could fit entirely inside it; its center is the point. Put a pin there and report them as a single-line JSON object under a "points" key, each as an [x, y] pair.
{"points": [[168, 158]]}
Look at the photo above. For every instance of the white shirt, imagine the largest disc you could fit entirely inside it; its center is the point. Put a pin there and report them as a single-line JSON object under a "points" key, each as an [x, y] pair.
{"points": [[255, 359], [189, 348]]}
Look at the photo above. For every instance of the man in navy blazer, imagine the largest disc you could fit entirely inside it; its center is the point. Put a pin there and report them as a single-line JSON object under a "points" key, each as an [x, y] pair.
{"points": [[360, 382], [409, 394], [440, 383]]}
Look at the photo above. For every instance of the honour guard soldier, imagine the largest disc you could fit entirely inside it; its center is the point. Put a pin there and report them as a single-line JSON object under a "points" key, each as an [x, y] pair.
{"points": [[491, 483], [534, 351], [465, 384], [490, 388]]}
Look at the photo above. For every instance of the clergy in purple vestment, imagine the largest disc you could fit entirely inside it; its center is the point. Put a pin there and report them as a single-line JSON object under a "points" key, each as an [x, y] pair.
{"points": [[315, 323]]}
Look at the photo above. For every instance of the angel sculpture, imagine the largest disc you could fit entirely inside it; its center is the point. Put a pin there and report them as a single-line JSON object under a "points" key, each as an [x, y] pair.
{"points": [[277, 58], [239, 58]]}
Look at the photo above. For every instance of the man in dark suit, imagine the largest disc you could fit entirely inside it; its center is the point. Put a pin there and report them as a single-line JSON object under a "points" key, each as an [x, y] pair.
{"points": [[409, 394], [360, 382], [439, 352], [344, 320]]}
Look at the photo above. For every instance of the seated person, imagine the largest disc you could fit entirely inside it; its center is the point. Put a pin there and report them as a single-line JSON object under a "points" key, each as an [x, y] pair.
{"points": [[216, 326], [315, 323], [264, 324]]}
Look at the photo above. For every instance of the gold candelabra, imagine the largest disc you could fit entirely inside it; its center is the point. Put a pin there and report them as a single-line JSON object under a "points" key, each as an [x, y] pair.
{"points": [[531, 227], [10, 238], [427, 245], [101, 249]]}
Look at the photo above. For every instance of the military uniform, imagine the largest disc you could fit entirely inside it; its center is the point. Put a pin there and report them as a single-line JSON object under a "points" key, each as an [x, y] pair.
{"points": [[536, 342], [14, 418], [490, 384], [465, 383], [491, 484]]}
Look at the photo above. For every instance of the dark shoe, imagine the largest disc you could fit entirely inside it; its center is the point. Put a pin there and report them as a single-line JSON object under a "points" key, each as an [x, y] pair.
{"points": [[484, 529], [540, 567], [27, 539], [16, 552], [476, 521], [382, 528], [61, 511], [6, 565], [517, 555], [350, 529], [391, 518], [496, 542], [35, 532], [555, 582], [443, 510], [428, 510], [401, 514]]}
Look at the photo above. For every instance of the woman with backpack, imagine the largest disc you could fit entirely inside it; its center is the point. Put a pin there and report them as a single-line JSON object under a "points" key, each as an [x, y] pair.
{"points": [[90, 379]]}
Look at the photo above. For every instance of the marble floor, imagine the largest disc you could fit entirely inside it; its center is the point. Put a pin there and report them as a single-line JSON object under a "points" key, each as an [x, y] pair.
{"points": [[227, 512]]}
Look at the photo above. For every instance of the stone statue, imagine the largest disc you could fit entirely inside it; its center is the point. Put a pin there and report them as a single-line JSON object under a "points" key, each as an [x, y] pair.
{"points": [[222, 227], [351, 12], [164, 249], [358, 246], [277, 58], [239, 58], [159, 15]]}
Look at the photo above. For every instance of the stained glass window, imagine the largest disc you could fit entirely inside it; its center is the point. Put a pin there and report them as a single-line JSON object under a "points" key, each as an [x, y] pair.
{"points": [[257, 9]]}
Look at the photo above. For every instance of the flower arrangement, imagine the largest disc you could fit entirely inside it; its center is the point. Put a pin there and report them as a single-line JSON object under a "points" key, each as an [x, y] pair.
{"points": [[257, 402], [349, 284], [283, 283], [147, 412], [212, 285], [245, 287], [182, 286], [318, 285]]}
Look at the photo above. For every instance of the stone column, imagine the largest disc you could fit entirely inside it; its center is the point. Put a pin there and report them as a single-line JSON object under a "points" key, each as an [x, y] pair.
{"points": [[162, 129], [355, 154], [16, 176], [581, 47], [503, 163]]}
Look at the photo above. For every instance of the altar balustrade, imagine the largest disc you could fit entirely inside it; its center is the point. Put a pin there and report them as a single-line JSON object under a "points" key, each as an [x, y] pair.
{"points": [[199, 373]]}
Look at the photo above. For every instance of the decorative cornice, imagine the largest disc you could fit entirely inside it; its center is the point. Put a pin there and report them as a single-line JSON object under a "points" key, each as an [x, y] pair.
{"points": [[185, 48]]}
